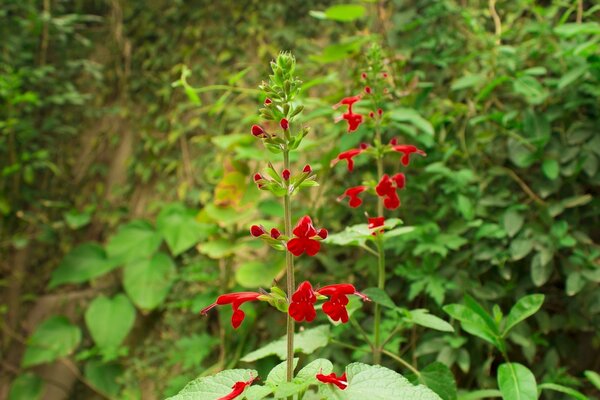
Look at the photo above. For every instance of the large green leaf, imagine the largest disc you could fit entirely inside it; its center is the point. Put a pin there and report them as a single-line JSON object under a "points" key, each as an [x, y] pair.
{"points": [[374, 382], [380, 297], [413, 117], [214, 387], [525, 307], [254, 274], [27, 386], [472, 322], [109, 321], [439, 378], [304, 342], [81, 264], [180, 229], [423, 318], [516, 382], [147, 282], [53, 339], [104, 377], [133, 241]]}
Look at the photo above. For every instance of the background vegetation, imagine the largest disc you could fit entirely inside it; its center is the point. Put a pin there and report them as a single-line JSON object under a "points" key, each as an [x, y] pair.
{"points": [[126, 199]]}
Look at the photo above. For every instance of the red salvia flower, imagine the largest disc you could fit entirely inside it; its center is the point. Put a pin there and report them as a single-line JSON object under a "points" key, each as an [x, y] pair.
{"points": [[376, 222], [354, 120], [257, 230], [348, 156], [341, 381], [386, 188], [353, 193], [237, 389], [258, 131], [335, 307], [236, 300], [306, 238], [407, 150], [302, 306]]}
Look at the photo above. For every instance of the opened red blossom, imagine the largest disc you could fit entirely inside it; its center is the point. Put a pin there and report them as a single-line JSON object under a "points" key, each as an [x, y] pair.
{"points": [[339, 381], [236, 300], [237, 389], [407, 150], [353, 192], [306, 238], [348, 156]]}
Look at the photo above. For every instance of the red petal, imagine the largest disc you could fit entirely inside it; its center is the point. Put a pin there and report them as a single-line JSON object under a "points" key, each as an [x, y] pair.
{"points": [[296, 246], [312, 247]]}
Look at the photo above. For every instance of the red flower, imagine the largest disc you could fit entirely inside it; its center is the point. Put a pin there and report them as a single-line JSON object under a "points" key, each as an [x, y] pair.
{"points": [[305, 240], [236, 300], [275, 233], [341, 381], [376, 222], [258, 131], [322, 233], [354, 120], [284, 124], [286, 174], [302, 306], [353, 193], [348, 156], [257, 231], [335, 307], [238, 388], [257, 177], [407, 150], [386, 188]]}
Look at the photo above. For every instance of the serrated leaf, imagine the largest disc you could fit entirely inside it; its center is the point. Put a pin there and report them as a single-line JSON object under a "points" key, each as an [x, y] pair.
{"points": [[304, 342], [133, 241], [524, 308], [516, 382], [214, 387], [84, 262], [110, 320], [55, 338], [148, 282]]}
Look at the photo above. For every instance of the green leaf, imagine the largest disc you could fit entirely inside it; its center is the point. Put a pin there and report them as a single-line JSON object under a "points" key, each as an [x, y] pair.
{"points": [[423, 318], [278, 374], [380, 297], [412, 116], [180, 229], [254, 274], [76, 219], [190, 351], [531, 89], [439, 378], [53, 339], [147, 282], [512, 222], [27, 386], [133, 241], [516, 382], [593, 377], [575, 282], [480, 394], [104, 377], [563, 389], [520, 248], [345, 12], [375, 382], [571, 76], [304, 342], [525, 307], [472, 322], [541, 268], [468, 81], [84, 262], [550, 168], [110, 320], [574, 28], [214, 387]]}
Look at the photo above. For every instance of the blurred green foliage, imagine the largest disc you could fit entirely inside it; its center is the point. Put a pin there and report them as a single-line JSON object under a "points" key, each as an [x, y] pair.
{"points": [[126, 190]]}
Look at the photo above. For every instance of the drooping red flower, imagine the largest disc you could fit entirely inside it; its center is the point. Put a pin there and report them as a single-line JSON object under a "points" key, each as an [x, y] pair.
{"points": [[335, 307], [348, 156], [236, 300], [353, 119], [306, 240], [386, 188], [237, 389], [341, 381], [302, 306], [407, 150], [353, 193]]}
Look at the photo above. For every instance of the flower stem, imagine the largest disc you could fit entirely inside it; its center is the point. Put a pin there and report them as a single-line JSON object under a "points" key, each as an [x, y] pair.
{"points": [[289, 263], [377, 346]]}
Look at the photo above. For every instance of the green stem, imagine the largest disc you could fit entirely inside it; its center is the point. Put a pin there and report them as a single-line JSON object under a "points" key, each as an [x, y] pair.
{"points": [[402, 361], [289, 263], [377, 346]]}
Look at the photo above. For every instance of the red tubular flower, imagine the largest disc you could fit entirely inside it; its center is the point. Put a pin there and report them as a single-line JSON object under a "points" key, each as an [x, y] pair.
{"points": [[237, 389], [257, 231], [386, 188], [341, 381], [284, 124], [335, 307], [407, 150], [353, 193], [348, 156], [302, 306], [376, 222], [258, 131], [236, 300], [305, 240], [354, 120]]}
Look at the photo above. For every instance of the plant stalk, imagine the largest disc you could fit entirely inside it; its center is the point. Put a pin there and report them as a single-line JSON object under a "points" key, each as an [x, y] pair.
{"points": [[377, 346], [289, 264]]}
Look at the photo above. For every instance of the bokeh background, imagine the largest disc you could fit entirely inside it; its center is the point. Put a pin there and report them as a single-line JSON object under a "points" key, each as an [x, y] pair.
{"points": [[126, 191]]}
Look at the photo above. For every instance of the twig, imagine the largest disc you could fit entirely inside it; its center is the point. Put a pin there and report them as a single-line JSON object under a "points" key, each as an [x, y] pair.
{"points": [[362, 331], [497, 21], [401, 361], [579, 17], [524, 186]]}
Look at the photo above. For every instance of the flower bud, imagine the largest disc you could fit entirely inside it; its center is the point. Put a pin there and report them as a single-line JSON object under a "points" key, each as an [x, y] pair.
{"points": [[307, 169], [379, 111], [257, 177], [363, 75], [286, 174], [257, 231], [322, 233], [257, 131], [268, 101], [363, 146], [275, 233], [394, 141], [367, 89], [385, 75], [372, 114], [284, 124]]}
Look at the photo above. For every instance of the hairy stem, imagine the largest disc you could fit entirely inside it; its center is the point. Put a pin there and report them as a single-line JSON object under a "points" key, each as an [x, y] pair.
{"points": [[289, 263]]}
